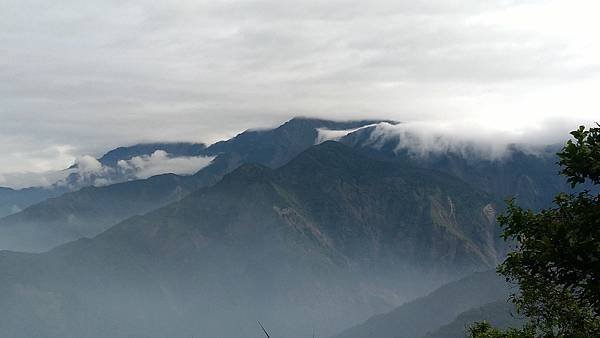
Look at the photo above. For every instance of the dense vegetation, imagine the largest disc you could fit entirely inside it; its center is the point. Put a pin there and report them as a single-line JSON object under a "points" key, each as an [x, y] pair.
{"points": [[557, 260]]}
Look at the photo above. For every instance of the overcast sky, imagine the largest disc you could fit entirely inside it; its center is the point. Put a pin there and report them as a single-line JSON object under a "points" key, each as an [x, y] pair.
{"points": [[79, 77]]}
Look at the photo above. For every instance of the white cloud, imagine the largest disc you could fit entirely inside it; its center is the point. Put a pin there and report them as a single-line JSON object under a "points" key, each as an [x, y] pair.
{"points": [[160, 162], [90, 75], [28, 179], [89, 171], [468, 138], [89, 165], [324, 134]]}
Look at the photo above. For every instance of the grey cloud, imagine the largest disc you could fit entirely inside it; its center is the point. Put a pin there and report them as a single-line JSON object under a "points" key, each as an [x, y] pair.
{"points": [[31, 179], [89, 171], [464, 138], [160, 162], [86, 76], [324, 134]]}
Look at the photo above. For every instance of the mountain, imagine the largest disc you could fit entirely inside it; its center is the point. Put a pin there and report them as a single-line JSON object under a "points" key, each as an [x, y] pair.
{"points": [[275, 147], [14, 200], [91, 210], [438, 311], [500, 314], [181, 149], [87, 212], [319, 243], [134, 162], [531, 177]]}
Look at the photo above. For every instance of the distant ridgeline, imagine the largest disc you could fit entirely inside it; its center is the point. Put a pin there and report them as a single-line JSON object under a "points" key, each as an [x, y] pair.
{"points": [[105, 170], [300, 236]]}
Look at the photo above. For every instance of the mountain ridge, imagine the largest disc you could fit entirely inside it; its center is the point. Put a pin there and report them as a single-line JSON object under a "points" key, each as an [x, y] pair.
{"points": [[260, 239], [435, 310], [76, 213]]}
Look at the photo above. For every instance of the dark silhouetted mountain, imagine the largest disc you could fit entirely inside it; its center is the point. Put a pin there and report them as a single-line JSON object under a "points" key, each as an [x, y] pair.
{"points": [[93, 209], [112, 157], [530, 177], [440, 308], [122, 164], [319, 243], [275, 147]]}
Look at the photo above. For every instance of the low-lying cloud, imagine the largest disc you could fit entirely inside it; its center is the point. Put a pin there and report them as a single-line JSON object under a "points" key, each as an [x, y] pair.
{"points": [[324, 134], [464, 138], [160, 162], [88, 171], [32, 179]]}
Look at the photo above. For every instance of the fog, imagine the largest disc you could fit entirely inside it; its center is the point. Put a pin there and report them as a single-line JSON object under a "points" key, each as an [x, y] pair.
{"points": [[160, 162], [216, 297], [347, 231], [467, 139], [88, 171]]}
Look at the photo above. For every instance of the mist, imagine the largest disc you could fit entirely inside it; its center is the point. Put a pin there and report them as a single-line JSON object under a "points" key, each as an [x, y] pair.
{"points": [[255, 171], [340, 232], [467, 139], [161, 162], [88, 171], [32, 179]]}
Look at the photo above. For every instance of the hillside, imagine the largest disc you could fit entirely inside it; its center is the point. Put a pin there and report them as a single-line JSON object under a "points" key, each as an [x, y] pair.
{"points": [[322, 242], [91, 210], [530, 176], [436, 311], [500, 314]]}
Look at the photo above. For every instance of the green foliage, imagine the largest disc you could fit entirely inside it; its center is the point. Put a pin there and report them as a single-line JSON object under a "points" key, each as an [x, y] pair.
{"points": [[557, 260], [581, 159], [485, 330]]}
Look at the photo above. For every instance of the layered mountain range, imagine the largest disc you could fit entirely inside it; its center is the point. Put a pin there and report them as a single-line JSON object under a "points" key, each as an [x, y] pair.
{"points": [[91, 210], [304, 234], [332, 234], [108, 169], [59, 217], [446, 312]]}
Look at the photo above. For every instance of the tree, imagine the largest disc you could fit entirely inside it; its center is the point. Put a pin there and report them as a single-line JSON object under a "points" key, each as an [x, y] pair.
{"points": [[556, 263], [485, 330]]}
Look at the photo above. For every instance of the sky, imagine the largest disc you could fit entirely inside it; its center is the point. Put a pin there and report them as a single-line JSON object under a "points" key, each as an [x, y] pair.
{"points": [[81, 77]]}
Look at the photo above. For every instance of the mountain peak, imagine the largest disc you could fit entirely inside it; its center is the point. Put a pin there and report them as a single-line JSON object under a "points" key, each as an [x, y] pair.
{"points": [[301, 121], [177, 148], [275, 147]]}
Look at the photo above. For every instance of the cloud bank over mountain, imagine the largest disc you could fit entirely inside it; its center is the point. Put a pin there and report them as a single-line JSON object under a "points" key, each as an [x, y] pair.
{"points": [[203, 71], [87, 170], [31, 179], [160, 162], [465, 138]]}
